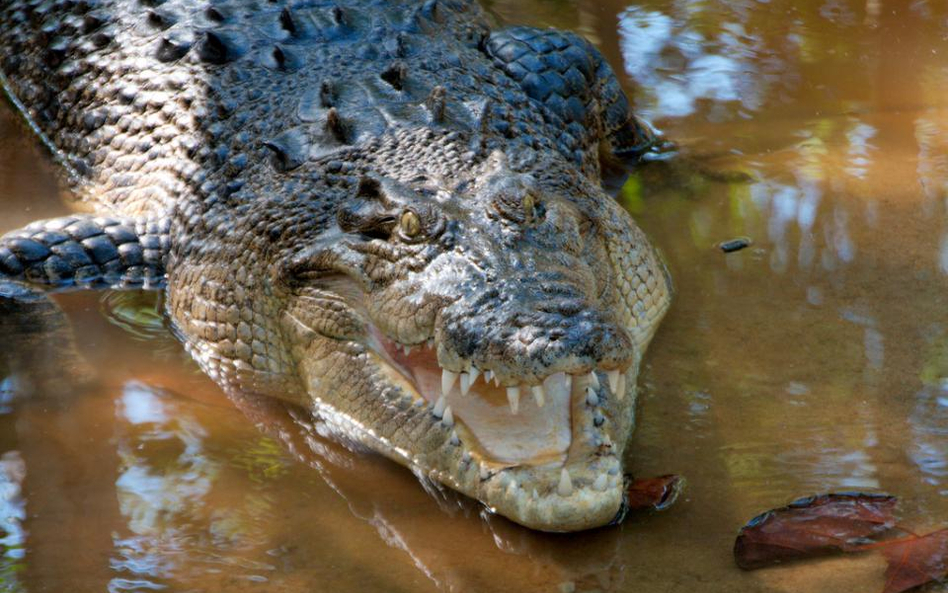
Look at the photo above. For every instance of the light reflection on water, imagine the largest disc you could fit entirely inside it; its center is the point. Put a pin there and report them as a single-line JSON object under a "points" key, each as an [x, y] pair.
{"points": [[12, 515], [814, 360]]}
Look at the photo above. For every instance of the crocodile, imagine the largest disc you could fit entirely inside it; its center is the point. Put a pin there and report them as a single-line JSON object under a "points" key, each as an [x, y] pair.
{"points": [[388, 213]]}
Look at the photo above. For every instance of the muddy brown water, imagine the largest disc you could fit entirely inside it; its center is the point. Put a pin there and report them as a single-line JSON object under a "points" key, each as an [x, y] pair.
{"points": [[814, 360]]}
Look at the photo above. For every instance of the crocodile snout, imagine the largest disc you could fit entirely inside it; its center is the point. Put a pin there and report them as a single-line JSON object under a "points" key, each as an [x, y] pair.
{"points": [[531, 335]]}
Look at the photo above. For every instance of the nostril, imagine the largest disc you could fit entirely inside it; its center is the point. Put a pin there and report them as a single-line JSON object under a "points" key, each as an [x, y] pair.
{"points": [[565, 308]]}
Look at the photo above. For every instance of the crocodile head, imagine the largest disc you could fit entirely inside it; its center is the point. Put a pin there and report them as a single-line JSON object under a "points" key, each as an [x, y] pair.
{"points": [[485, 332]]}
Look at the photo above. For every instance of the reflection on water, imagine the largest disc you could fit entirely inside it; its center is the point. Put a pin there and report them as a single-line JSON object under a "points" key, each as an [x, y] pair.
{"points": [[12, 515], [678, 65], [816, 359]]}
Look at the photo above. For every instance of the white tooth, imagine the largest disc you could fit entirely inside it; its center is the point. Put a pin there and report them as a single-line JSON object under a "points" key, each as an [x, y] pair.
{"points": [[448, 418], [593, 379], [601, 482], [620, 389], [565, 487], [488, 375], [447, 381], [465, 383], [513, 398], [439, 407], [456, 441], [613, 380], [407, 350], [475, 373], [591, 398], [484, 472], [538, 394], [496, 381]]}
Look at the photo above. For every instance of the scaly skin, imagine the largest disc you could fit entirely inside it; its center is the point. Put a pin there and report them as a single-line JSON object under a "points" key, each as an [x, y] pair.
{"points": [[318, 187]]}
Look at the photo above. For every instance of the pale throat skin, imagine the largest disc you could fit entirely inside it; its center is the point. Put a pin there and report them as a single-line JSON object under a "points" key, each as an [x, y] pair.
{"points": [[386, 213]]}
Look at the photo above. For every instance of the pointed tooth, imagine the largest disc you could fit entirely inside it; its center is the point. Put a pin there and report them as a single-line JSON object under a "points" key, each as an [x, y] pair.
{"points": [[465, 383], [496, 381], [539, 394], [484, 472], [448, 418], [407, 350], [620, 388], [447, 381], [591, 398], [613, 380], [488, 375], [513, 398], [565, 487], [593, 379], [439, 407], [475, 373], [601, 482]]}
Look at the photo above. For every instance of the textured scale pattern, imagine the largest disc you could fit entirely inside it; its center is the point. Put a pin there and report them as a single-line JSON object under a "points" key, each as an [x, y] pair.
{"points": [[88, 252], [565, 74], [256, 160]]}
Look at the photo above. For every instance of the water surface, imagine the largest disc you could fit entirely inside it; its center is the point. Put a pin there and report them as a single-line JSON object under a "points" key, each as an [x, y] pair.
{"points": [[814, 360]]}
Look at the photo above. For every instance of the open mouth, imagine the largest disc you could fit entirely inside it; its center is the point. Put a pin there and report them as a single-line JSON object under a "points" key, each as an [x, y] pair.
{"points": [[550, 437]]}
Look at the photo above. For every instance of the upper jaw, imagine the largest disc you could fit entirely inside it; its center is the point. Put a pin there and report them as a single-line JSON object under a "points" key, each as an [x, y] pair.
{"points": [[561, 472]]}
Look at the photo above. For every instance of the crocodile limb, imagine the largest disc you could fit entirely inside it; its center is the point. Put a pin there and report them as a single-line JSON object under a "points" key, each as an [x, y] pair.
{"points": [[62, 254]]}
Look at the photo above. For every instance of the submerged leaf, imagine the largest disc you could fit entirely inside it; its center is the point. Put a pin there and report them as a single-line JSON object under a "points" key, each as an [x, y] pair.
{"points": [[813, 526], [654, 493], [915, 561]]}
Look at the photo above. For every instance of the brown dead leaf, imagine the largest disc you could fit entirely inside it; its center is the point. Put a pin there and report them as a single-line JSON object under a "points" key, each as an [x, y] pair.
{"points": [[915, 561], [813, 526], [654, 493]]}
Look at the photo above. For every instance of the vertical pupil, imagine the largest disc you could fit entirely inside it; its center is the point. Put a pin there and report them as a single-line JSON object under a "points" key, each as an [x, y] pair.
{"points": [[529, 205]]}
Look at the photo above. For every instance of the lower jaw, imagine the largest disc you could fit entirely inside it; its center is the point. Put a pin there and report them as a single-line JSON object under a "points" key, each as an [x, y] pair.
{"points": [[569, 481]]}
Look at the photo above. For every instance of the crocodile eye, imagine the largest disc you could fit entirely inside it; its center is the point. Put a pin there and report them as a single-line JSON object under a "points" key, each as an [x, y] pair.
{"points": [[410, 224], [533, 209], [529, 204]]}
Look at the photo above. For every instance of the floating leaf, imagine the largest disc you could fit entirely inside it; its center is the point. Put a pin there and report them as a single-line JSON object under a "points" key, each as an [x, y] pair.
{"points": [[654, 493], [915, 561], [813, 526]]}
